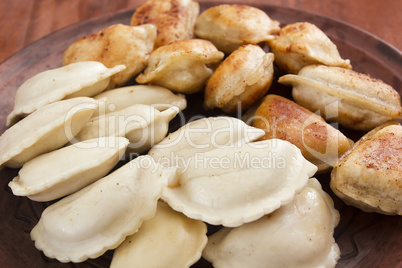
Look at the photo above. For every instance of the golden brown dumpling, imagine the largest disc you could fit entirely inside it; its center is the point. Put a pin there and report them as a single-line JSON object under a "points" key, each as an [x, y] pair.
{"points": [[231, 26], [182, 66], [301, 44], [369, 176], [174, 19], [319, 142], [355, 100], [117, 44], [240, 80]]}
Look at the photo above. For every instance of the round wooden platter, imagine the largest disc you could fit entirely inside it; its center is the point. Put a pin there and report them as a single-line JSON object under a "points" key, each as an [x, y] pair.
{"points": [[365, 239]]}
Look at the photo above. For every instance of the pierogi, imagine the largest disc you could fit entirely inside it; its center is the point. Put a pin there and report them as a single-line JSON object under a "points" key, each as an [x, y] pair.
{"points": [[81, 79], [64, 171], [301, 44], [181, 66], [231, 26], [115, 45]]}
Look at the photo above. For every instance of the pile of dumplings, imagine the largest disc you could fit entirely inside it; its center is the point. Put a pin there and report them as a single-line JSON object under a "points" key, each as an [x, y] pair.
{"points": [[94, 138]]}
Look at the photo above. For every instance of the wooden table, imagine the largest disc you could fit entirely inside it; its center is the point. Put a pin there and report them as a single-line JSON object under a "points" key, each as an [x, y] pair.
{"points": [[23, 22]]}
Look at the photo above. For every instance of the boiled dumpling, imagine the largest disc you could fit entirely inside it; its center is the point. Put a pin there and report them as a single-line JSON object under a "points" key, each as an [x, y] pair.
{"points": [[168, 239], [240, 80], [81, 79], [174, 19], [369, 176], [231, 26], [99, 217], [143, 125], [182, 66], [355, 100], [46, 129], [117, 44], [301, 44], [64, 171], [159, 97], [299, 234], [230, 186], [319, 142]]}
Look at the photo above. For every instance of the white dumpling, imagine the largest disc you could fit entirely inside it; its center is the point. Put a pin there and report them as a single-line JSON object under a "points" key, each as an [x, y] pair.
{"points": [[230, 186], [141, 124], [99, 217], [159, 97], [61, 172], [46, 129], [299, 234], [168, 239], [202, 135]]}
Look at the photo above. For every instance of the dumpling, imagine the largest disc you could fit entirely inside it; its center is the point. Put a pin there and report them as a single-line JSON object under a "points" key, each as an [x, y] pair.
{"points": [[45, 130], [240, 80], [230, 186], [369, 176], [143, 125], [117, 44], [355, 100], [99, 217], [81, 79], [231, 26], [301, 44], [174, 19], [299, 234], [182, 66], [159, 97], [168, 239], [200, 136], [64, 171], [319, 142]]}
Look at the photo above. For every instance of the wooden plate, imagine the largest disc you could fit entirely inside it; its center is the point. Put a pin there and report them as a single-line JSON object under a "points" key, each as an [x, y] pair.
{"points": [[365, 239]]}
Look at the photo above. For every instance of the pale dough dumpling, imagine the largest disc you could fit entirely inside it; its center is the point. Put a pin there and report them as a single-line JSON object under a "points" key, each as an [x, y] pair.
{"points": [[240, 80], [234, 185], [369, 176], [45, 130], [168, 239], [64, 171], [231, 26], [81, 79], [182, 66], [159, 97], [355, 100], [299, 234], [117, 44], [174, 19], [100, 216], [301, 44]]}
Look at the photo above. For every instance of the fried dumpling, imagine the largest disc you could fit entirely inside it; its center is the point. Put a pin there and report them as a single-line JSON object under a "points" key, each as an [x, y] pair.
{"points": [[240, 80], [301, 44], [230, 186], [182, 66], [45, 130], [174, 19], [231, 26], [319, 142], [159, 97], [81, 79], [168, 239], [64, 171], [369, 176], [355, 100], [202, 135], [115, 45], [100, 216], [299, 234], [143, 125]]}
